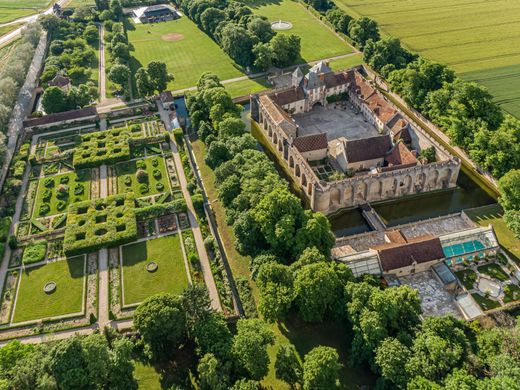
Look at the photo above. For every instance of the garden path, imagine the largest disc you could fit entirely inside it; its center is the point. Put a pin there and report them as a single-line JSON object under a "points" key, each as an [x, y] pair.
{"points": [[104, 305], [197, 235], [102, 75]]}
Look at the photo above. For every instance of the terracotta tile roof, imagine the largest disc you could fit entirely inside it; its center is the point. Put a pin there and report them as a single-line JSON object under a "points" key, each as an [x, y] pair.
{"points": [[401, 155], [287, 96], [334, 79], [60, 116], [400, 127], [361, 86], [395, 236], [368, 148], [277, 113], [380, 107], [420, 250], [311, 142]]}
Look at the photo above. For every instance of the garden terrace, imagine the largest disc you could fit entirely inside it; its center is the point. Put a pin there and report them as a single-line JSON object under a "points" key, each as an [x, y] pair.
{"points": [[100, 223], [142, 177]]}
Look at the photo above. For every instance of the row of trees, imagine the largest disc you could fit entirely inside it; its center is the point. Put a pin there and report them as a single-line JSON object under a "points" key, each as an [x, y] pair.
{"points": [[247, 38]]}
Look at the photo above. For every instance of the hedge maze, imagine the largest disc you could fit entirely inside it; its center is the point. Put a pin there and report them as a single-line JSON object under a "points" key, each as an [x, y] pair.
{"points": [[100, 223]]}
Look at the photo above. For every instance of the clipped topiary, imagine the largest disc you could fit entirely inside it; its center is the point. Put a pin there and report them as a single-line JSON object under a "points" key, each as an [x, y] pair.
{"points": [[47, 194], [44, 209], [155, 162], [127, 180], [140, 164], [79, 189], [61, 205], [34, 252], [64, 180], [142, 176], [143, 188], [157, 174], [159, 186], [49, 182]]}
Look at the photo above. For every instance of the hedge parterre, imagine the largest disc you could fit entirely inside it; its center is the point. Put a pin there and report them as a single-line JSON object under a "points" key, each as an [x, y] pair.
{"points": [[100, 223]]}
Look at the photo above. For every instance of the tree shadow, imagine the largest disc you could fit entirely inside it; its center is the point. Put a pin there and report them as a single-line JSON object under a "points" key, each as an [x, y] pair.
{"points": [[260, 3]]}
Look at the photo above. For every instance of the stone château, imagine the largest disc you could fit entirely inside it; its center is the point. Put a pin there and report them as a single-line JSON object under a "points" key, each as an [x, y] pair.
{"points": [[345, 144]]}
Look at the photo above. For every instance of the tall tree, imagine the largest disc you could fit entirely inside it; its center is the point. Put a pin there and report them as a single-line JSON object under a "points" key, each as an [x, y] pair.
{"points": [[286, 49], [159, 75], [275, 282], [509, 186], [321, 369], [288, 366], [143, 83], [363, 29], [237, 42]]}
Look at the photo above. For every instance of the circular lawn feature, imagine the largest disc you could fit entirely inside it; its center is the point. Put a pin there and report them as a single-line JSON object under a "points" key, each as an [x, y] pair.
{"points": [[281, 25], [49, 287], [487, 285], [152, 266], [172, 37]]}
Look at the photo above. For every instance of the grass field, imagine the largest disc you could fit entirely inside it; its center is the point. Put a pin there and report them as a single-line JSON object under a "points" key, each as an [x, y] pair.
{"points": [[485, 303], [467, 277], [4, 30], [479, 40], [11, 9], [187, 58], [492, 214], [493, 270], [170, 276], [317, 40], [129, 169], [33, 303]]}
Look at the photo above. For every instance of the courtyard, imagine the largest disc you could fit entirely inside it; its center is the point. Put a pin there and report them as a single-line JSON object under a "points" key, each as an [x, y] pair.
{"points": [[336, 120]]}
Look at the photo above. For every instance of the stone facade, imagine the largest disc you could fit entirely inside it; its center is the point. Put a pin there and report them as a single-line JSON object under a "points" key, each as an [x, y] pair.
{"points": [[273, 111]]}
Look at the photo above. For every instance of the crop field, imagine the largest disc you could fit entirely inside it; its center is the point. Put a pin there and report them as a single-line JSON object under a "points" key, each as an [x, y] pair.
{"points": [[317, 40], [187, 51], [14, 9], [478, 39]]}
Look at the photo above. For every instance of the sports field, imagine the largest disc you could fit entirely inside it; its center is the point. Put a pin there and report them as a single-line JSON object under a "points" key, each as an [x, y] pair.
{"points": [[187, 51], [317, 40], [478, 39], [14, 9]]}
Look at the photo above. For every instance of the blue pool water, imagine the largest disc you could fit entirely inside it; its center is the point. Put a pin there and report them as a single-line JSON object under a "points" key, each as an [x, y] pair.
{"points": [[461, 249]]}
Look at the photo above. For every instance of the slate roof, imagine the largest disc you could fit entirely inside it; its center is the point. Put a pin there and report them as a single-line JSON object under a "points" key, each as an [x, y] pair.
{"points": [[420, 250], [368, 148], [59, 81], [60, 116], [311, 142]]}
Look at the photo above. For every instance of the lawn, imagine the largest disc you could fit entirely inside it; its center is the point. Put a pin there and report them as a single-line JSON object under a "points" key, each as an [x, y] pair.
{"points": [[33, 303], [494, 271], [128, 169], [303, 336], [492, 214], [11, 10], [69, 181], [511, 293], [485, 303], [187, 57], [170, 275], [317, 40], [467, 277], [479, 41], [4, 30]]}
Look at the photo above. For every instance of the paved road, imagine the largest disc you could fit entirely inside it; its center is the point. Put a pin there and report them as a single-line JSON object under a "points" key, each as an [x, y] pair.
{"points": [[16, 33], [197, 235]]}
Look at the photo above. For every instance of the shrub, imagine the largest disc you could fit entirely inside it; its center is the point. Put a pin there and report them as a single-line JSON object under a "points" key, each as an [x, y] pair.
{"points": [[143, 188], [62, 191], [127, 180], [140, 164], [142, 176], [34, 252], [155, 162], [64, 180], [198, 204], [49, 182], [178, 135], [47, 194], [44, 209], [13, 243], [159, 186], [79, 189], [157, 174], [61, 205]]}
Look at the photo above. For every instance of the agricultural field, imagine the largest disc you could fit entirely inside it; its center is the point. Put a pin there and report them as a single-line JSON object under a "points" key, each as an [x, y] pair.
{"points": [[11, 10], [33, 303], [187, 51], [478, 40], [317, 40], [170, 275]]}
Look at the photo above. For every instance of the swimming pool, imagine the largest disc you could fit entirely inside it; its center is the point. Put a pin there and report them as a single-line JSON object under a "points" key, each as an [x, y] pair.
{"points": [[463, 248]]}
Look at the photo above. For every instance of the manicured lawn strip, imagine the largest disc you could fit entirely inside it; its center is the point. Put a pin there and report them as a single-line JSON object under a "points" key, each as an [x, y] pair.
{"points": [[33, 303], [11, 27], [317, 40], [73, 179], [187, 58], [467, 277], [170, 275], [147, 377], [8, 15], [245, 87], [347, 62], [129, 169], [485, 303], [492, 214], [477, 42], [511, 293], [494, 271], [303, 336]]}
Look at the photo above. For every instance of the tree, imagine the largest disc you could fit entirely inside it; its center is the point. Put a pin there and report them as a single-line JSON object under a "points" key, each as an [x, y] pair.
{"points": [[263, 54], [106, 16], [120, 50], [237, 42], [288, 367], [211, 18], [49, 23], [250, 346], [321, 369], [116, 9], [161, 321], [231, 127], [217, 153], [315, 232], [363, 29], [512, 219], [509, 186], [143, 83], [212, 335], [91, 34], [10, 354], [8, 91], [459, 379], [119, 74], [210, 374], [246, 384], [260, 27], [159, 75], [317, 288], [286, 49], [275, 282], [258, 261], [387, 51], [339, 19], [391, 357], [54, 100]]}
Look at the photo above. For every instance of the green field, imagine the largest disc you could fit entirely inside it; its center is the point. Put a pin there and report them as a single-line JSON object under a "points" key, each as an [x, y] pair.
{"points": [[170, 276], [479, 40], [32, 303], [129, 169], [11, 9], [187, 58], [317, 40]]}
